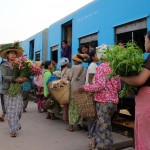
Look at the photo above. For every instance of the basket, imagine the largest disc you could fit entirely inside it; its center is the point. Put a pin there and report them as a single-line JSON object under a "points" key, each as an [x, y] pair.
{"points": [[48, 104], [85, 104], [61, 94]]}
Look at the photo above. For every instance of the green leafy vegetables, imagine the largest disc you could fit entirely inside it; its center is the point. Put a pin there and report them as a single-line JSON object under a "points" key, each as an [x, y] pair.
{"points": [[125, 61]]}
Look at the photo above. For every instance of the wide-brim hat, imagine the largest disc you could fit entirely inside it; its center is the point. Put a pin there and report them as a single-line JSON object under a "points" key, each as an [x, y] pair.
{"points": [[5, 48], [3, 54]]}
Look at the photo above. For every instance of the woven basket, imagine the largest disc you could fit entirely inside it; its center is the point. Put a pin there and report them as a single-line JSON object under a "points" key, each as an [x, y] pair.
{"points": [[85, 104], [48, 104], [61, 95]]}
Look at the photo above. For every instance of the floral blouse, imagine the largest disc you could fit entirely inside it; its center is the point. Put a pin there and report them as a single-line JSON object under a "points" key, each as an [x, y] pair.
{"points": [[105, 89]]}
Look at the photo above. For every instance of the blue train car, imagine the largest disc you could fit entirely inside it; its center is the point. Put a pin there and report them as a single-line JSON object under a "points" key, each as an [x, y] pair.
{"points": [[36, 46], [101, 21]]}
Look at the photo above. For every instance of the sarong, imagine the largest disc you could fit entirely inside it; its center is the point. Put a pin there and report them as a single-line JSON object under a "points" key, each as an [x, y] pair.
{"points": [[14, 108], [142, 119]]}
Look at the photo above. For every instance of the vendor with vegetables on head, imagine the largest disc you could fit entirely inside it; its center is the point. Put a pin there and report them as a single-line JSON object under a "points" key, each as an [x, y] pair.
{"points": [[13, 104], [106, 97], [142, 100]]}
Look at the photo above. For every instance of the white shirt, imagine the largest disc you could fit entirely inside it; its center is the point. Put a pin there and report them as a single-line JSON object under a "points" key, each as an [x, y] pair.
{"points": [[91, 70]]}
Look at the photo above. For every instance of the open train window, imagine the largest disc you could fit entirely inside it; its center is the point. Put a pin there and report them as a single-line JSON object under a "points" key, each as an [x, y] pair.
{"points": [[54, 53], [37, 54], [91, 39], [133, 31]]}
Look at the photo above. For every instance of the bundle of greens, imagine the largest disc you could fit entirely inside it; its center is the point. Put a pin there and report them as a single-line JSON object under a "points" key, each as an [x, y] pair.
{"points": [[125, 61]]}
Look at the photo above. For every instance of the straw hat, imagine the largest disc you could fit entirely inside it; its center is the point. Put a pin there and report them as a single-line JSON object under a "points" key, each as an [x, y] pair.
{"points": [[11, 47]]}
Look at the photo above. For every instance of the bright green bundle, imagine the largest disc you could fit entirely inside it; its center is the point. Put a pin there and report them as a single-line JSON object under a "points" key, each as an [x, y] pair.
{"points": [[125, 61], [15, 88]]}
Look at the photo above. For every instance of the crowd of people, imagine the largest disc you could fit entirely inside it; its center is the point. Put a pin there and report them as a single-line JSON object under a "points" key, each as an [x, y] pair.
{"points": [[93, 79]]}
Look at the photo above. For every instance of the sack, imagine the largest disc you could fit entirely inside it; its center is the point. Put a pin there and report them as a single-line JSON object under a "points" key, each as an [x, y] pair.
{"points": [[59, 91], [85, 104]]}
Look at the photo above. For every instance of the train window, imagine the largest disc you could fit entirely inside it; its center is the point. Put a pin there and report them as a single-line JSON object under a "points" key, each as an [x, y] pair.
{"points": [[54, 53], [91, 40], [88, 38], [133, 31], [37, 54]]}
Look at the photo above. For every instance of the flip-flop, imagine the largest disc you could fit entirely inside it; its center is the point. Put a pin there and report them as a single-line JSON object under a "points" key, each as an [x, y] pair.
{"points": [[13, 134], [91, 146], [69, 129]]}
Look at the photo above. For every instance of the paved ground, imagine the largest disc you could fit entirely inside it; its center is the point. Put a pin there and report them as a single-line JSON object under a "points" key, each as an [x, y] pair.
{"points": [[40, 134]]}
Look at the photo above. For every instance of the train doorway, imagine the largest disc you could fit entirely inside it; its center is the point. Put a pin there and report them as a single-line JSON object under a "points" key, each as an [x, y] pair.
{"points": [[67, 32]]}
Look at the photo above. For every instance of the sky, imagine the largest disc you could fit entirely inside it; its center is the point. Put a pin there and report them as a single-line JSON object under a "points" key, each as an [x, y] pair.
{"points": [[20, 19]]}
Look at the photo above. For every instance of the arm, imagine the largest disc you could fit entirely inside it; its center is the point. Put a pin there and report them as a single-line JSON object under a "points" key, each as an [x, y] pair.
{"points": [[100, 82], [71, 74], [90, 78], [5, 76], [115, 81], [91, 70], [139, 79]]}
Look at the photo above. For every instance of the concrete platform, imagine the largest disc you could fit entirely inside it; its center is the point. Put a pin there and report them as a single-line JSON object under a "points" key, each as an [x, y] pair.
{"points": [[39, 133]]}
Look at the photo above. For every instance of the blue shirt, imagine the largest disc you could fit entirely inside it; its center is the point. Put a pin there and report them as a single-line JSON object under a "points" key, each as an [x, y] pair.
{"points": [[145, 55]]}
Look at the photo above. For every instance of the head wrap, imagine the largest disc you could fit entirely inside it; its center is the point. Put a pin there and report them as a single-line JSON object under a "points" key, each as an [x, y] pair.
{"points": [[63, 61], [76, 58]]}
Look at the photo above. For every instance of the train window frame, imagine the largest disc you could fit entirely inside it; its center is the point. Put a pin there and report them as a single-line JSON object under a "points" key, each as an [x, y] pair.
{"points": [[37, 55], [54, 51]]}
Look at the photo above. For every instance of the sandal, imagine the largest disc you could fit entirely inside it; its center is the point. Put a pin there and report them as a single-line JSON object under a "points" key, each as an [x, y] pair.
{"points": [[2, 118], [70, 129], [92, 146], [13, 134]]}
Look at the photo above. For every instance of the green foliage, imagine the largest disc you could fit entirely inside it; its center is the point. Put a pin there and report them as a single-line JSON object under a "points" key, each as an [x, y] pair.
{"points": [[11, 46], [125, 61], [15, 88]]}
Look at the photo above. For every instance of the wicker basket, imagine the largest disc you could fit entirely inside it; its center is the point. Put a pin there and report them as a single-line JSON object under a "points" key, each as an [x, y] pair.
{"points": [[61, 94], [85, 104]]}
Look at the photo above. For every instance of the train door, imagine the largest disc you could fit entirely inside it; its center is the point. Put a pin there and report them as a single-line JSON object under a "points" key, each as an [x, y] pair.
{"points": [[54, 53], [67, 32], [31, 50], [134, 31]]}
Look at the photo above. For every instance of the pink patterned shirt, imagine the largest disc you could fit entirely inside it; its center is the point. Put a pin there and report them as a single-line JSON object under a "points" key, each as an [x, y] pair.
{"points": [[105, 89]]}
